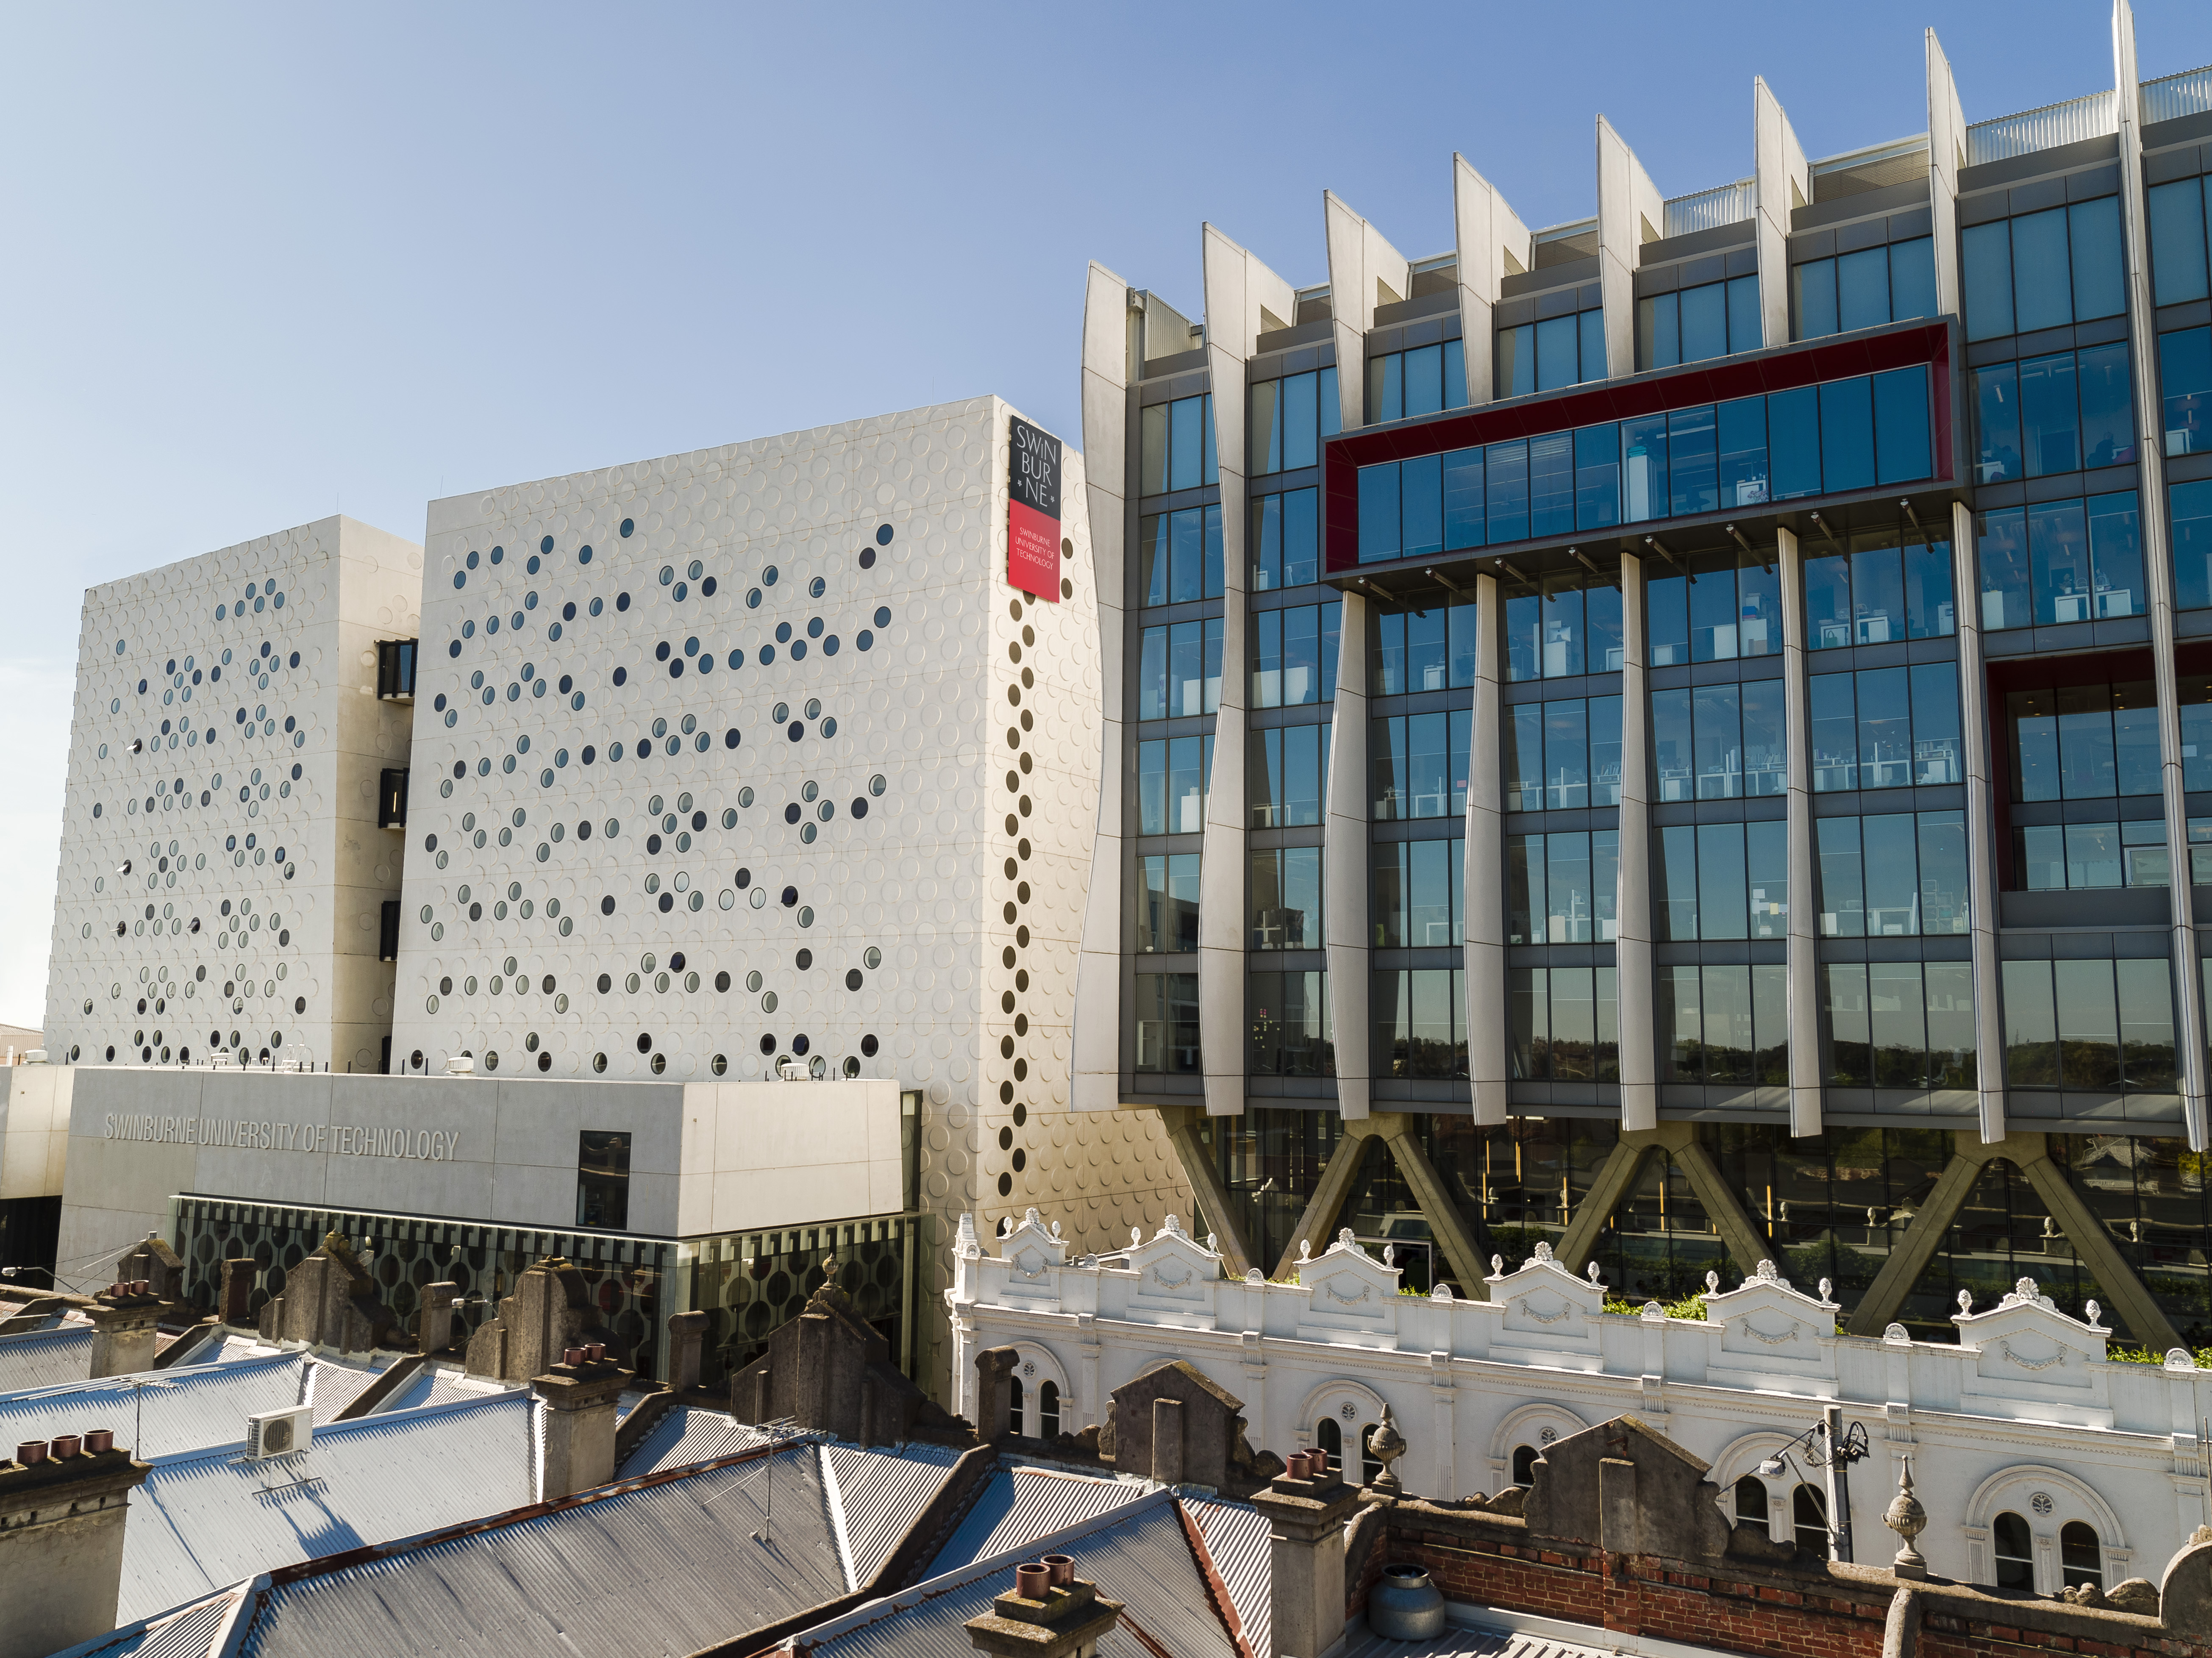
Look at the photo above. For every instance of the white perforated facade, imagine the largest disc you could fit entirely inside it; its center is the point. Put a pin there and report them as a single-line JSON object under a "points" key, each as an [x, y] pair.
{"points": [[752, 754], [222, 875]]}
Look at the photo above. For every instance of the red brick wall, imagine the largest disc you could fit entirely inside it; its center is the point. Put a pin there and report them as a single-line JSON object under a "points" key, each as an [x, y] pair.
{"points": [[1644, 1595]]}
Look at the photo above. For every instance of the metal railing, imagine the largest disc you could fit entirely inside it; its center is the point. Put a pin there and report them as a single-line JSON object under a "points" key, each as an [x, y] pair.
{"points": [[1708, 209], [2188, 93], [2096, 116]]}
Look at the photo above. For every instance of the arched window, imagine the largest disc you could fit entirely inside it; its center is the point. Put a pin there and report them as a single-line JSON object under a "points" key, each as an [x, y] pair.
{"points": [[1370, 1466], [1524, 1464], [1327, 1436], [2015, 1550], [1808, 1512], [1751, 1502], [1049, 1411], [2079, 1556], [1015, 1414]]}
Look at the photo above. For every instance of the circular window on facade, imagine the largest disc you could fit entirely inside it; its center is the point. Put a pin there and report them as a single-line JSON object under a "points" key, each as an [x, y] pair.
{"points": [[876, 784], [872, 957], [807, 911], [719, 1065], [768, 1002], [759, 897]]}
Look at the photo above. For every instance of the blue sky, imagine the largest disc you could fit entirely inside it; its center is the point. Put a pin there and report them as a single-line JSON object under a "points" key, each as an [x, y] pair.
{"points": [[265, 263]]}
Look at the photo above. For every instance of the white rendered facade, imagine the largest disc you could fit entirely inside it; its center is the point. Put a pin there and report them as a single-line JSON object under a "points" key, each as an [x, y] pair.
{"points": [[938, 930], [2021, 1415], [257, 732]]}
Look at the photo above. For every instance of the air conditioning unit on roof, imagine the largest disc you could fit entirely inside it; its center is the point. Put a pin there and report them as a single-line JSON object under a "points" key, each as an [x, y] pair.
{"points": [[279, 1433]]}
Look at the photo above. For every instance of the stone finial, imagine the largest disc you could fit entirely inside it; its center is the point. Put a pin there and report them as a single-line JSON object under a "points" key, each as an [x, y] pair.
{"points": [[1908, 1519], [1172, 1226], [1345, 1239], [964, 1240], [1543, 1251], [1896, 1333], [1826, 1286], [2090, 1312], [1306, 1249], [1136, 1235], [1712, 1284], [1766, 1272], [1442, 1292], [1498, 1266], [1592, 1270], [1254, 1275], [1386, 1445], [1389, 1254], [1965, 1301], [1211, 1241]]}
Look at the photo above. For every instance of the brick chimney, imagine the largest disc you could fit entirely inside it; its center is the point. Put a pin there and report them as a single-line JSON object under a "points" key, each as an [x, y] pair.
{"points": [[152, 1259], [687, 1337], [123, 1319], [434, 1330], [1306, 1514], [238, 1278], [62, 1508], [994, 1393], [1049, 1613], [580, 1396]]}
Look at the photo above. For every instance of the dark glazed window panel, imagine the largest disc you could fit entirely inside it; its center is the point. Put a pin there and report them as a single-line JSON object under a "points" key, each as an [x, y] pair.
{"points": [[1793, 438], [1507, 467], [1421, 506], [2107, 393], [2050, 415], [2042, 286], [2184, 372], [1985, 265], [2099, 277], [2176, 241], [1551, 484], [1597, 477], [603, 1159], [1901, 425], [1862, 289], [1996, 424], [1742, 455], [1846, 435], [1378, 512], [1644, 468], [1693, 437], [2190, 513]]}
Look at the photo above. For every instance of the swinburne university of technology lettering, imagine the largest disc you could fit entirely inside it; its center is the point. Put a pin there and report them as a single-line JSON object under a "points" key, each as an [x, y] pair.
{"points": [[339, 1139]]}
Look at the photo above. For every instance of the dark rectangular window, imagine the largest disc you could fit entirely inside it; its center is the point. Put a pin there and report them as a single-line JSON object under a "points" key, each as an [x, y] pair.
{"points": [[1564, 1024], [2190, 514], [1167, 903], [1167, 1023], [391, 797], [2176, 240], [1426, 380], [387, 933], [1290, 1025], [2089, 1026], [1710, 320], [1285, 540], [2043, 269], [602, 1179], [1179, 556], [2065, 560], [1289, 418], [395, 670], [1176, 449]]}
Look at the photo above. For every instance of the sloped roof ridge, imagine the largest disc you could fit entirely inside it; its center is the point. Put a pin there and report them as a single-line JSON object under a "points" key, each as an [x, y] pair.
{"points": [[396, 1420], [202, 1374]]}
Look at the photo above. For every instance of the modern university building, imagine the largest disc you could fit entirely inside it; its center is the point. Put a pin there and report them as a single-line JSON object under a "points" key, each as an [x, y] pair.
{"points": [[1673, 735], [727, 834]]}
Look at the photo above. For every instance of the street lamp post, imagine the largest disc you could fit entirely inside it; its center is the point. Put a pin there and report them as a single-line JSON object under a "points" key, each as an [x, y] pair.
{"points": [[1827, 1446]]}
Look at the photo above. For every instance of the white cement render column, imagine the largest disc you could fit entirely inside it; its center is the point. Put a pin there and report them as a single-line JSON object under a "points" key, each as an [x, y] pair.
{"points": [[1803, 971], [2158, 580], [1095, 1037], [1630, 212], [1488, 1067], [1981, 826], [1634, 984], [1484, 228], [1346, 928], [1238, 289], [1781, 181], [1947, 154]]}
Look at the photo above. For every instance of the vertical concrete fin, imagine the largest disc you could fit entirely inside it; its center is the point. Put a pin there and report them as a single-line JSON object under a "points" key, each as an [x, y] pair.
{"points": [[1981, 824], [1485, 228], [1238, 287], [1362, 266], [1634, 982], [1947, 154], [1630, 212], [1095, 1038], [1344, 927], [1804, 996], [1783, 181], [2158, 580], [1484, 879]]}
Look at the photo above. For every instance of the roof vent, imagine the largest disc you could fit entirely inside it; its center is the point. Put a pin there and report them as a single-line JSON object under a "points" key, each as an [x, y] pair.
{"points": [[279, 1433], [461, 1065]]}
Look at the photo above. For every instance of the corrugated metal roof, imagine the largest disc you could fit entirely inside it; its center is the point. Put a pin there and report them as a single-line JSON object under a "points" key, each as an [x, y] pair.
{"points": [[331, 1388], [670, 1567], [1236, 1536], [202, 1520], [46, 1357], [878, 1494], [194, 1632], [1138, 1556], [1465, 1640], [188, 1409], [438, 1385], [1018, 1506], [686, 1435]]}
